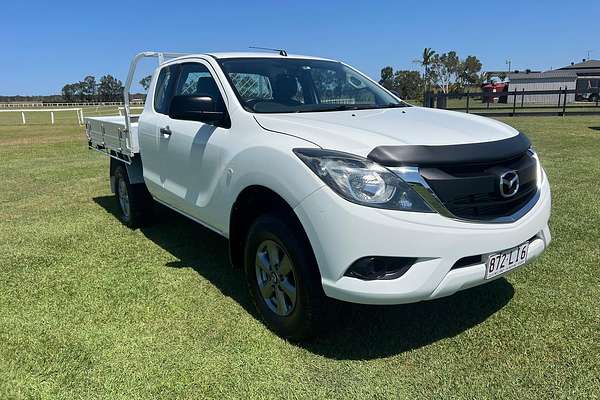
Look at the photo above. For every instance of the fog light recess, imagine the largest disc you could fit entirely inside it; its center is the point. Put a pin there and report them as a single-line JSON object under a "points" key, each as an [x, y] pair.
{"points": [[380, 268]]}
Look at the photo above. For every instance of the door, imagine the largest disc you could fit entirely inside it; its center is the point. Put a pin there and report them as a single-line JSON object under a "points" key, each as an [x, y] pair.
{"points": [[192, 151], [148, 129]]}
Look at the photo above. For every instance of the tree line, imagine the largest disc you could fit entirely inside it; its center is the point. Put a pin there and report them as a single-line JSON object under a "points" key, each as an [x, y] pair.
{"points": [[109, 89], [87, 90], [53, 98], [445, 72]]}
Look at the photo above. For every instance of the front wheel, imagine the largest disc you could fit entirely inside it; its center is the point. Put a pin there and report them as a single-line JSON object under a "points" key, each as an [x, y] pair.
{"points": [[135, 202], [283, 278]]}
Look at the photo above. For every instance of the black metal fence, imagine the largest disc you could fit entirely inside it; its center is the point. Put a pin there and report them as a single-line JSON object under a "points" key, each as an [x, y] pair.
{"points": [[517, 102]]}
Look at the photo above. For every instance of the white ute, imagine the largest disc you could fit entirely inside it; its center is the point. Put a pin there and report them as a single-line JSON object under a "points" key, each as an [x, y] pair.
{"points": [[325, 183]]}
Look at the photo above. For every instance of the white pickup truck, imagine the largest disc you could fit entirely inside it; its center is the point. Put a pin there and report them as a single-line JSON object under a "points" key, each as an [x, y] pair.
{"points": [[326, 184]]}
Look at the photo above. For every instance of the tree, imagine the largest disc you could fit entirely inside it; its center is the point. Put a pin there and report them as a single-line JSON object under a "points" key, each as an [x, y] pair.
{"points": [[68, 92], [387, 78], [426, 60], [482, 78], [78, 91], [445, 69], [145, 82], [88, 88], [469, 70], [110, 89], [409, 84]]}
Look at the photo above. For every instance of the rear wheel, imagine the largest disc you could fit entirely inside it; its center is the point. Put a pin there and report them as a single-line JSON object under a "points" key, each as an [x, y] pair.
{"points": [[135, 202], [283, 277]]}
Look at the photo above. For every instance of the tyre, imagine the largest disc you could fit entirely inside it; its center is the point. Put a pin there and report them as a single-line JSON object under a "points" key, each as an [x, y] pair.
{"points": [[283, 278], [135, 202]]}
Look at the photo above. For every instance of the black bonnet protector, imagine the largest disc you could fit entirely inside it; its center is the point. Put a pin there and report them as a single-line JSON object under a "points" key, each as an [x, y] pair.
{"points": [[469, 153]]}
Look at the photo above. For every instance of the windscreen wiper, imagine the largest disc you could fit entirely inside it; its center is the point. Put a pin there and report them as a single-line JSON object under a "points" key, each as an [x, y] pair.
{"points": [[348, 107], [339, 107], [396, 105]]}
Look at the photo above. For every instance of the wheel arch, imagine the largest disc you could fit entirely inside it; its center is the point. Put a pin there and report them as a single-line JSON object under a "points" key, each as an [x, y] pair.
{"points": [[251, 202], [135, 171]]}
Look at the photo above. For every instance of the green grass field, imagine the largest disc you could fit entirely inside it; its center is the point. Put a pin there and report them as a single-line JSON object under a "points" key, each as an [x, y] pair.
{"points": [[90, 309]]}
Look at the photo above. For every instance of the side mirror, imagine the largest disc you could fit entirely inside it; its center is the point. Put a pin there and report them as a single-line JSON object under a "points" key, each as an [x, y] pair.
{"points": [[196, 108]]}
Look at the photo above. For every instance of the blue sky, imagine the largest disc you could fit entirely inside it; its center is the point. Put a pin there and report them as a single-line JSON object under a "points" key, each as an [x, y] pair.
{"points": [[44, 44]]}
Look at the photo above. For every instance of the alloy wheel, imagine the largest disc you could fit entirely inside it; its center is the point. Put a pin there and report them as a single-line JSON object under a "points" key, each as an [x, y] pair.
{"points": [[275, 277]]}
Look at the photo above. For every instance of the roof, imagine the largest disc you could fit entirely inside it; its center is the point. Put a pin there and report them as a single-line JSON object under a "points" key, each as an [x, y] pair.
{"points": [[256, 54], [553, 74], [501, 72], [231, 55], [587, 64], [249, 54]]}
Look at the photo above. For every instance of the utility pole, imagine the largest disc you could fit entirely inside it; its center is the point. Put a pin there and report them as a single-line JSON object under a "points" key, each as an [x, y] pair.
{"points": [[508, 62]]}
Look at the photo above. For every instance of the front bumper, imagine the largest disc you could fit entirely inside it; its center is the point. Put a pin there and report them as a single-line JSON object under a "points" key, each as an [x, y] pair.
{"points": [[341, 232]]}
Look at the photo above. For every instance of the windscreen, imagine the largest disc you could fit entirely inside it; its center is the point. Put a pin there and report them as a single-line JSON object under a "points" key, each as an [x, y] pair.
{"points": [[274, 85]]}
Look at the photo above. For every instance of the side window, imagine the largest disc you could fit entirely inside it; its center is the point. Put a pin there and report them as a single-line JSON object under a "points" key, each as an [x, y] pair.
{"points": [[196, 80], [164, 89]]}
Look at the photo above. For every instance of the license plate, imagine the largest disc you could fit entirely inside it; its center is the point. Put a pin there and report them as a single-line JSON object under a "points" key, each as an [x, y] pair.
{"points": [[499, 263]]}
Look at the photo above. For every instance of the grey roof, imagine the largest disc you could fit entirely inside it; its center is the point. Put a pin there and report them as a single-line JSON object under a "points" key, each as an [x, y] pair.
{"points": [[542, 75], [588, 64]]}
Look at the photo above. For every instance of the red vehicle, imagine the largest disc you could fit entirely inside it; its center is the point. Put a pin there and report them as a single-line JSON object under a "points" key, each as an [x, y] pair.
{"points": [[499, 87]]}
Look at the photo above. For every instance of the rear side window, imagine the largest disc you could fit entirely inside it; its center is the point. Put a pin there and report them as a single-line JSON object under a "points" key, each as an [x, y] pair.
{"points": [[191, 75], [164, 89], [196, 80]]}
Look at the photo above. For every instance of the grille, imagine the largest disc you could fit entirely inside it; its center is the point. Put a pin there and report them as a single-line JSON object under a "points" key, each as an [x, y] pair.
{"points": [[473, 191]]}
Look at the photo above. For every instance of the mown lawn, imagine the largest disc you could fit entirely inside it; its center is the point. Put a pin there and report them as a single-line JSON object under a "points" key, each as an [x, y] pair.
{"points": [[91, 309]]}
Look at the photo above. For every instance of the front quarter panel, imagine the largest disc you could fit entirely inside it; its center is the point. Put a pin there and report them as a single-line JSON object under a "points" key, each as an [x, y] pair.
{"points": [[267, 159]]}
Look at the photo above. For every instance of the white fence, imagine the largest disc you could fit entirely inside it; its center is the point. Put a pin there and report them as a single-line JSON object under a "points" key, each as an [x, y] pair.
{"points": [[23, 112], [121, 109], [80, 104]]}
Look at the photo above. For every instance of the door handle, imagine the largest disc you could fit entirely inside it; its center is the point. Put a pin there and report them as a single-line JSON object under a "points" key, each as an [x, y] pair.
{"points": [[165, 132]]}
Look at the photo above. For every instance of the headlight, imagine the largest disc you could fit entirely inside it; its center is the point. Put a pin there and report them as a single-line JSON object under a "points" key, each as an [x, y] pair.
{"points": [[362, 181], [539, 171]]}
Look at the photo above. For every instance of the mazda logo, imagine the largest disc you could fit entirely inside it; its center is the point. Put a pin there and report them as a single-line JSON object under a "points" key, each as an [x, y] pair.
{"points": [[509, 183]]}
